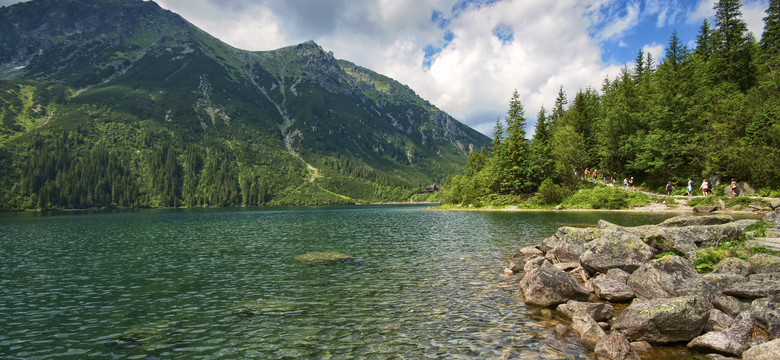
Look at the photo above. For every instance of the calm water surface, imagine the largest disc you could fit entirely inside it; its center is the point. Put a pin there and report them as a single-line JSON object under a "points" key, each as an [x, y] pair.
{"points": [[224, 284]]}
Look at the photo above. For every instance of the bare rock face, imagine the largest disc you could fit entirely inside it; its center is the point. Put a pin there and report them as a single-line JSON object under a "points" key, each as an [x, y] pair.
{"points": [[730, 305], [548, 286], [662, 321], [612, 290], [733, 265], [615, 346], [597, 311], [753, 289], [732, 341], [588, 330], [763, 263], [765, 351], [718, 321], [568, 243], [661, 278], [766, 314], [617, 250]]}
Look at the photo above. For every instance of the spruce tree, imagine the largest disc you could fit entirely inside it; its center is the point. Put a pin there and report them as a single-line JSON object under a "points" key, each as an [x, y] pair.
{"points": [[770, 40]]}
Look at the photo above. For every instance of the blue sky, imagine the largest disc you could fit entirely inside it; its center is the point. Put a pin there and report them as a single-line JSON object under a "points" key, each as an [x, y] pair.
{"points": [[468, 56]]}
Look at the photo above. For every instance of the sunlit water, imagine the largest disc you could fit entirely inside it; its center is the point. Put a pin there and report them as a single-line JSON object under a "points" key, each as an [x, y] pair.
{"points": [[224, 284]]}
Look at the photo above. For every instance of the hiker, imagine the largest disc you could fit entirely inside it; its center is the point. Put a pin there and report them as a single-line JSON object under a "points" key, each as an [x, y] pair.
{"points": [[689, 189], [733, 187], [595, 174], [669, 188], [631, 182], [705, 187], [625, 181], [587, 172]]}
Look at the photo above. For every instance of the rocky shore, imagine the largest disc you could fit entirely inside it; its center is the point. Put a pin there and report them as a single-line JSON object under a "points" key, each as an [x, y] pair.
{"points": [[583, 274]]}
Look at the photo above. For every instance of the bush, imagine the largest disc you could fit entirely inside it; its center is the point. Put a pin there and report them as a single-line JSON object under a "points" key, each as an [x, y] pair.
{"points": [[551, 193], [767, 192], [705, 260], [605, 197]]}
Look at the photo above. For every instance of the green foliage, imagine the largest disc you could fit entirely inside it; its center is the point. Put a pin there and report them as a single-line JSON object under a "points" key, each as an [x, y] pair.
{"points": [[551, 193], [605, 197], [760, 250], [705, 260], [665, 254]]}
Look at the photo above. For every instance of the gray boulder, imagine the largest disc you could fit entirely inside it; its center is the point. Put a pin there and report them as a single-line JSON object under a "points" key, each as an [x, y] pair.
{"points": [[770, 276], [733, 265], [669, 240], [705, 235], [618, 250], [535, 261], [610, 289], [691, 220], [597, 311], [570, 235], [547, 286], [661, 321], [528, 251], [766, 314], [763, 263], [730, 305], [661, 278], [753, 289], [773, 217], [588, 330], [765, 351], [732, 341], [705, 209], [718, 321], [615, 346], [618, 275]]}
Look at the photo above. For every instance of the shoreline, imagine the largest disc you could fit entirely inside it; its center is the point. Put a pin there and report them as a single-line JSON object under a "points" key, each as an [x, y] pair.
{"points": [[643, 209]]}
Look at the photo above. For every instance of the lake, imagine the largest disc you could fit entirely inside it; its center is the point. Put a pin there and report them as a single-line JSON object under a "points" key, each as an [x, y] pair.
{"points": [[223, 283]]}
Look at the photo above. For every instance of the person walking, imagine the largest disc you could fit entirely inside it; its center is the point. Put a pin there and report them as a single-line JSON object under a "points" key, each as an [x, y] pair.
{"points": [[689, 189], [705, 187], [669, 188]]}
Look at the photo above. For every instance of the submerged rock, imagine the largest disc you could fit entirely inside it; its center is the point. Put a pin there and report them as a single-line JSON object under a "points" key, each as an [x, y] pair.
{"points": [[615, 346], [732, 341], [597, 311], [323, 257], [662, 321], [588, 330]]}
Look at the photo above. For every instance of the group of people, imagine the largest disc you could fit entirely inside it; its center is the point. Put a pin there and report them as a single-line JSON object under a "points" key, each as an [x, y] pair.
{"points": [[705, 187]]}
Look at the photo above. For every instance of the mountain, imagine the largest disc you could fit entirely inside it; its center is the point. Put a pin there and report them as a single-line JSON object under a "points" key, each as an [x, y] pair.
{"points": [[109, 103]]}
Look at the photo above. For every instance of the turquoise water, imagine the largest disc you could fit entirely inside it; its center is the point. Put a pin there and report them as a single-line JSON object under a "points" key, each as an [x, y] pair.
{"points": [[223, 283]]}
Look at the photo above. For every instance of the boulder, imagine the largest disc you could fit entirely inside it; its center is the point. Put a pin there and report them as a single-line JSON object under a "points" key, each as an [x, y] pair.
{"points": [[770, 276], [718, 321], [513, 267], [733, 265], [617, 250], [604, 224], [662, 321], [730, 305], [773, 217], [641, 347], [720, 281], [691, 220], [597, 311], [615, 346], [535, 262], [567, 266], [528, 251], [611, 289], [588, 330], [705, 209], [666, 240], [765, 351], [705, 235], [763, 263], [732, 341], [568, 243], [618, 275], [753, 289], [766, 314], [546, 286], [661, 278]]}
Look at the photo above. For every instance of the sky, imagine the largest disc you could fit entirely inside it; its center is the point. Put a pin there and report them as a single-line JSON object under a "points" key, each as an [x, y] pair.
{"points": [[468, 56]]}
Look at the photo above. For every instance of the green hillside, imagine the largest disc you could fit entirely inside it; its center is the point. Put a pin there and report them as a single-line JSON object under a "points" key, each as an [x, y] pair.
{"points": [[107, 103]]}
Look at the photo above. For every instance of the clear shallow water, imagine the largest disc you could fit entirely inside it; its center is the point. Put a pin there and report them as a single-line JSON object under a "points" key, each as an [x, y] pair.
{"points": [[223, 284]]}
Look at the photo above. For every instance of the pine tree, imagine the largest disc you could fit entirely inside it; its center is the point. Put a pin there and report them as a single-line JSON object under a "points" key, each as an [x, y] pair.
{"points": [[770, 40], [515, 147], [704, 41], [676, 52], [732, 57]]}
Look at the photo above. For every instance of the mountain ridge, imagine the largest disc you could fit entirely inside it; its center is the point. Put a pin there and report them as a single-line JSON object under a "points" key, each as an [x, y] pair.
{"points": [[133, 66]]}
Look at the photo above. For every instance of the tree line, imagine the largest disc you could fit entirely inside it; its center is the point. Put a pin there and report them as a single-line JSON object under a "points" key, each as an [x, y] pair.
{"points": [[709, 111]]}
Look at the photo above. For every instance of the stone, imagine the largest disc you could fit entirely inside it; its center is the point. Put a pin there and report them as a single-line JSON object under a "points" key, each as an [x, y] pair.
{"points": [[604, 224], [718, 321], [705, 235], [617, 250], [567, 266], [597, 311], [561, 330], [513, 267], [670, 241], [612, 290], [661, 321], [720, 281], [753, 289], [534, 262], [733, 265], [545, 286], [314, 258], [661, 278], [705, 209], [719, 357], [765, 351], [641, 347], [588, 330], [691, 220], [618, 275], [568, 243], [770, 276], [730, 305], [773, 217], [529, 251], [732, 341], [763, 263], [615, 346], [766, 314]]}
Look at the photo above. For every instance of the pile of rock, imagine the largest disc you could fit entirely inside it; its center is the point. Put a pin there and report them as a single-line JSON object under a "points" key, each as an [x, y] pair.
{"points": [[733, 311]]}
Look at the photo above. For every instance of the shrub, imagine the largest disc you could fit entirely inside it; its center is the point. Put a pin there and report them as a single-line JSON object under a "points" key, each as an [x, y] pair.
{"points": [[705, 260], [551, 193], [761, 250], [606, 197]]}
